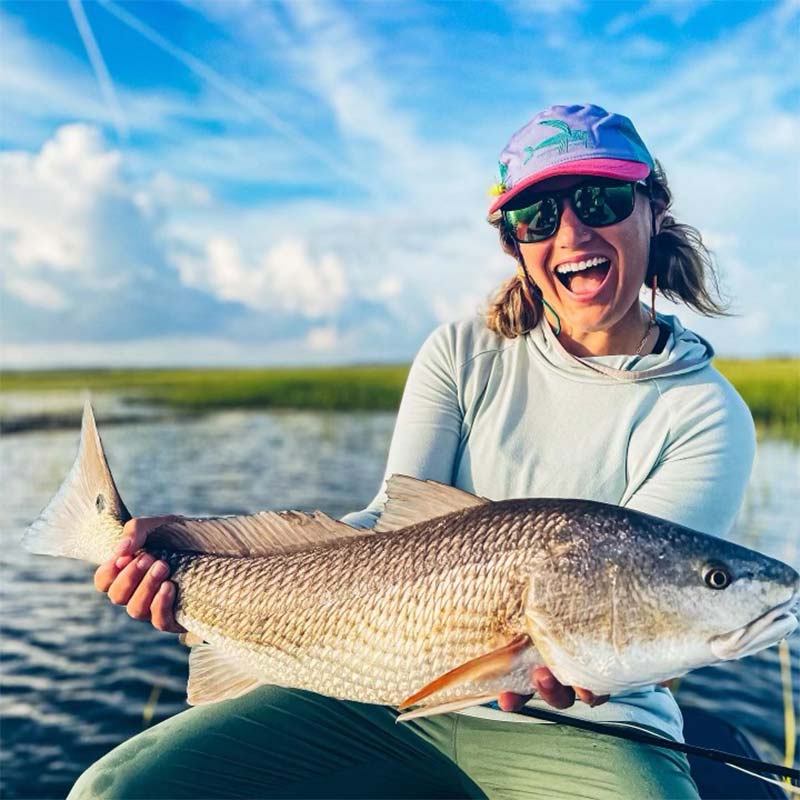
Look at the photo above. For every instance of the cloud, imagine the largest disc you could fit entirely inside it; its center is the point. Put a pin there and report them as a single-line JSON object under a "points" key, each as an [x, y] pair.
{"points": [[78, 249], [325, 338], [100, 260], [285, 278]]}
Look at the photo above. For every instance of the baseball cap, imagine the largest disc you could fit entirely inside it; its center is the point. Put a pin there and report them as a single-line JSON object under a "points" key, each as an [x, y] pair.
{"points": [[571, 140]]}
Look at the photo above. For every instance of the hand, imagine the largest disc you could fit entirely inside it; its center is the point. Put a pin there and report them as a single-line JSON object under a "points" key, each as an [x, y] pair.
{"points": [[137, 580], [551, 691]]}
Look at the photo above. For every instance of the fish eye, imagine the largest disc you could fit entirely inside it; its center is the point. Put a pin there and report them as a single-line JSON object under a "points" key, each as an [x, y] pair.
{"points": [[716, 576]]}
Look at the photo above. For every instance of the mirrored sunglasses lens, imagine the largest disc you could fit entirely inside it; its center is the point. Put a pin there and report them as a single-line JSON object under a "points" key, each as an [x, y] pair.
{"points": [[534, 222], [598, 205]]}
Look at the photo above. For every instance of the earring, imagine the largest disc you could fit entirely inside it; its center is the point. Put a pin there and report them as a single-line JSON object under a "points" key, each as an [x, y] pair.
{"points": [[654, 286], [526, 288], [552, 311]]}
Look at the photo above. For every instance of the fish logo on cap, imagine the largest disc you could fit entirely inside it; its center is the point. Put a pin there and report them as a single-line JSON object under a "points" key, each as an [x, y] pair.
{"points": [[561, 140]]}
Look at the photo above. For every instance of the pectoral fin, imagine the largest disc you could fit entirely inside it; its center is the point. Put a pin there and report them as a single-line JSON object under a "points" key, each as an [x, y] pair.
{"points": [[446, 708], [214, 675], [495, 664]]}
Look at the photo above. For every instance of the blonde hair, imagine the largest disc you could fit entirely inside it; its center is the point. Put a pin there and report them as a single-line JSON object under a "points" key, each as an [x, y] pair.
{"points": [[679, 260]]}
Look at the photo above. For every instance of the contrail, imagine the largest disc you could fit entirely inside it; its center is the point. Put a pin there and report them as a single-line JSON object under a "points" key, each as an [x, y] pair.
{"points": [[232, 91], [99, 67]]}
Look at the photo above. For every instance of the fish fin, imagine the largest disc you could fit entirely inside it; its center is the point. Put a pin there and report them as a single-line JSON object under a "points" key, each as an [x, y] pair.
{"points": [[490, 665], [215, 675], [448, 707], [85, 517], [410, 500], [252, 534], [190, 639]]}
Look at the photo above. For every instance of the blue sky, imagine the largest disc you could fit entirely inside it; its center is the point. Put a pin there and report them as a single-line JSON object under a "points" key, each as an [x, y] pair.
{"points": [[247, 182]]}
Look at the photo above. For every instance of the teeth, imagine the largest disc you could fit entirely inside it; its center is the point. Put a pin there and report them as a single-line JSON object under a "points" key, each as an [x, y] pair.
{"points": [[577, 266]]}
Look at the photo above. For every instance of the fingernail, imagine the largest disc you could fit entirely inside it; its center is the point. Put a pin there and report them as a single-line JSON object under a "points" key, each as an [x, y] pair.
{"points": [[159, 570], [165, 588], [547, 682], [123, 547], [121, 562], [144, 561]]}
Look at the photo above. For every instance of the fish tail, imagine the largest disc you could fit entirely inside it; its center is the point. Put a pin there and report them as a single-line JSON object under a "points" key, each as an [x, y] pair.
{"points": [[85, 518]]}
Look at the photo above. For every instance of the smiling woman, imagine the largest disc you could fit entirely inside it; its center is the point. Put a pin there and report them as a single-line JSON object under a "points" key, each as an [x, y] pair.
{"points": [[599, 399], [666, 255]]}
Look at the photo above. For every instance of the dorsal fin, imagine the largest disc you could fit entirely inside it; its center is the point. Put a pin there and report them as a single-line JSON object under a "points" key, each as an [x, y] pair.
{"points": [[410, 500], [252, 534]]}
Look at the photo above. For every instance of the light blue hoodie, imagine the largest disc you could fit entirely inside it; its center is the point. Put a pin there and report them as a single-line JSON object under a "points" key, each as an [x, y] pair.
{"points": [[665, 434]]}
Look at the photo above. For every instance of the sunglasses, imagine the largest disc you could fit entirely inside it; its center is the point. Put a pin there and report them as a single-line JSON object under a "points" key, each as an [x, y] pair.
{"points": [[597, 202]]}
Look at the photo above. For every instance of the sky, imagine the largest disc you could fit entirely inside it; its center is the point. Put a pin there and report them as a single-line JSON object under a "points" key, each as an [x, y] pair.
{"points": [[214, 182]]}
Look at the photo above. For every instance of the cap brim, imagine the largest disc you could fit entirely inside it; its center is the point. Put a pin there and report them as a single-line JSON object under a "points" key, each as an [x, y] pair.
{"points": [[599, 167]]}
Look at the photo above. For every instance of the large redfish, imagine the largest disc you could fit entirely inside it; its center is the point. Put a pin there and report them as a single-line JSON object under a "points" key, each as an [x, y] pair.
{"points": [[449, 602]]}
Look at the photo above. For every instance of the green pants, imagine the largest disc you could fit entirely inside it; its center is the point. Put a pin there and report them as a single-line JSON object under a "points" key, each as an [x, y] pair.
{"points": [[277, 743]]}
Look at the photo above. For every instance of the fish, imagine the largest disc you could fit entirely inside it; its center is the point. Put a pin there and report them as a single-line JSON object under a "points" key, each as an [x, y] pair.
{"points": [[451, 600]]}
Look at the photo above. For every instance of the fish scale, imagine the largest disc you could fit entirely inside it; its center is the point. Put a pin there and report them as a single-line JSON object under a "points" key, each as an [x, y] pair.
{"points": [[402, 602]]}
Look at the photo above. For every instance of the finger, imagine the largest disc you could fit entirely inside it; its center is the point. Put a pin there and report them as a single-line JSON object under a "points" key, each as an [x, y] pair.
{"points": [[128, 580], [550, 690], [104, 575], [590, 698], [509, 701], [138, 606], [136, 530], [162, 614]]}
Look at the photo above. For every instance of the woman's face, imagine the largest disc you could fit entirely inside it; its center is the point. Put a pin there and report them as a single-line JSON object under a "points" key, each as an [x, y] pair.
{"points": [[605, 296]]}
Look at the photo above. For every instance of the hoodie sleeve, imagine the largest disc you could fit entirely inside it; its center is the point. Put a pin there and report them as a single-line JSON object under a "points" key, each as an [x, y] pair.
{"points": [[427, 432], [701, 474]]}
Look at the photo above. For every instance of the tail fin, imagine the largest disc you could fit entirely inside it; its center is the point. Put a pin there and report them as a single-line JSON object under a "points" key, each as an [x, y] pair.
{"points": [[85, 518]]}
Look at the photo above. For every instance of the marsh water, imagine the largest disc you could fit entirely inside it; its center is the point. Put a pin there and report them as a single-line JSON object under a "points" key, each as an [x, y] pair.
{"points": [[78, 676]]}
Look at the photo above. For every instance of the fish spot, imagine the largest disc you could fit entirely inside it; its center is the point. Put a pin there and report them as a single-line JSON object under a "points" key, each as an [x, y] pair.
{"points": [[100, 504]]}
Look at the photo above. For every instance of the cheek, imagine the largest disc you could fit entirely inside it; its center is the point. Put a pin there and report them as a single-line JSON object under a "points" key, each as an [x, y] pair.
{"points": [[535, 261]]}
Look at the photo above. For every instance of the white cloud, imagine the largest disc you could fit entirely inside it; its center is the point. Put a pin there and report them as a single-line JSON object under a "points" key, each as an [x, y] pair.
{"points": [[36, 293], [48, 197], [78, 249], [325, 338], [165, 191], [284, 278]]}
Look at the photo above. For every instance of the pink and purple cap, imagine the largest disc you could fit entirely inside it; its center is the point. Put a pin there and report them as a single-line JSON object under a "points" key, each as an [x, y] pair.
{"points": [[571, 140]]}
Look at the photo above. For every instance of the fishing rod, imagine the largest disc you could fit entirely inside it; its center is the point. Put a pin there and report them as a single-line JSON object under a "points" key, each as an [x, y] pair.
{"points": [[638, 735]]}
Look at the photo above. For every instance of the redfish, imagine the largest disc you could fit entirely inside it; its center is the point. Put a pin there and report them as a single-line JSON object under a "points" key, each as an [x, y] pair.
{"points": [[449, 601]]}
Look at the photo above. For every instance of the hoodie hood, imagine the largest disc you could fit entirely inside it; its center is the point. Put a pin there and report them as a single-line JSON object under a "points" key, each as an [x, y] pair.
{"points": [[684, 352]]}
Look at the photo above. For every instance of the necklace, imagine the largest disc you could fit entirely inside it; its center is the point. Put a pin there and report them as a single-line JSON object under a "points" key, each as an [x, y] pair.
{"points": [[650, 326]]}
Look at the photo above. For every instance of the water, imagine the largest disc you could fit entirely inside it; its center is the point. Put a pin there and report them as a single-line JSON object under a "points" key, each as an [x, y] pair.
{"points": [[79, 676]]}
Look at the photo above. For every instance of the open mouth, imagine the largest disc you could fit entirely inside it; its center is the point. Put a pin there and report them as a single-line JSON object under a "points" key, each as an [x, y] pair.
{"points": [[584, 277], [763, 632]]}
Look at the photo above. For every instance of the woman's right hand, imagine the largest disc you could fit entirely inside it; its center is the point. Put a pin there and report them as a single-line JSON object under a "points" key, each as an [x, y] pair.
{"points": [[137, 580]]}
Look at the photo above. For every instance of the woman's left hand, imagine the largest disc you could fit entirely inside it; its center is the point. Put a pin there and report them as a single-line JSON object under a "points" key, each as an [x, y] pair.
{"points": [[551, 691]]}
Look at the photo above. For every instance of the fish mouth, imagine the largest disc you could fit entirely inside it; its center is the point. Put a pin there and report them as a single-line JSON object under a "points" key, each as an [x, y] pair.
{"points": [[761, 633]]}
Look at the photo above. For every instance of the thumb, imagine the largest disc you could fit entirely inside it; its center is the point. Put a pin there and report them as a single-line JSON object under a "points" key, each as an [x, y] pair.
{"points": [[135, 532]]}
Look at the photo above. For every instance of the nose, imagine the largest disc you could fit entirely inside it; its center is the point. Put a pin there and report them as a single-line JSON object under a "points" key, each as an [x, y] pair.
{"points": [[571, 231]]}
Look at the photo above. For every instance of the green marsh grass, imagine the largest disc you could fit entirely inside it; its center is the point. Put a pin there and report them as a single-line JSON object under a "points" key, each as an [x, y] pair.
{"points": [[770, 387]]}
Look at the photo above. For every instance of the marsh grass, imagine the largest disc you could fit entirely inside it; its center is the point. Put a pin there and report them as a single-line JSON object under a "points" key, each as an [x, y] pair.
{"points": [[770, 387]]}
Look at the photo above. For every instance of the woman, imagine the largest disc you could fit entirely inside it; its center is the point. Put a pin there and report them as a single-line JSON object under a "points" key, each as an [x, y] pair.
{"points": [[569, 387]]}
